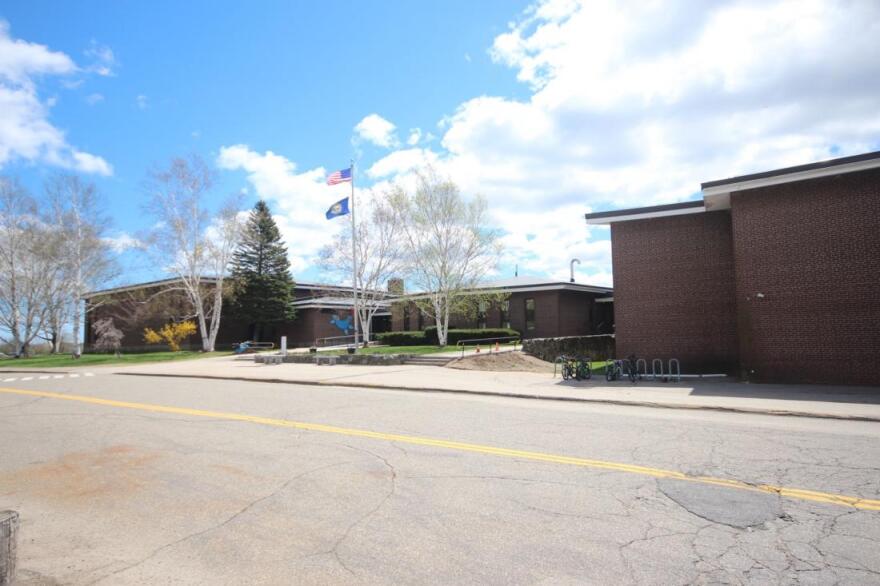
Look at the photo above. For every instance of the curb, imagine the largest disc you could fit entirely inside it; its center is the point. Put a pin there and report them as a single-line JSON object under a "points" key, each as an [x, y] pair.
{"points": [[618, 402]]}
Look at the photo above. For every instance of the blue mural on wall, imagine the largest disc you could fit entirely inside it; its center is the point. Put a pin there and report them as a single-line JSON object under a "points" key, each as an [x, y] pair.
{"points": [[343, 324]]}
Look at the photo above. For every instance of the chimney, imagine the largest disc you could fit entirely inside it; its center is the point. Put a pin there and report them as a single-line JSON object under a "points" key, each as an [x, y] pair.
{"points": [[396, 287]]}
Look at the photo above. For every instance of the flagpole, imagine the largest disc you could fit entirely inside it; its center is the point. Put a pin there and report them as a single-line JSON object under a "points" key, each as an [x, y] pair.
{"points": [[354, 265]]}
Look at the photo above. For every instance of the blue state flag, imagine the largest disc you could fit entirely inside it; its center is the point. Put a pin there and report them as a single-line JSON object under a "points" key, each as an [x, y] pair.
{"points": [[340, 208]]}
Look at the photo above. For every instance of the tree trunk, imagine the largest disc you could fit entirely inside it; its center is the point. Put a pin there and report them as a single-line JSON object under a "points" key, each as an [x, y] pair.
{"points": [[215, 316], [77, 347]]}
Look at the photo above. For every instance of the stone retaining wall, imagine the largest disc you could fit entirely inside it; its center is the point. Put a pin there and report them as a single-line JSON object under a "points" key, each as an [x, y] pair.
{"points": [[595, 347], [362, 359]]}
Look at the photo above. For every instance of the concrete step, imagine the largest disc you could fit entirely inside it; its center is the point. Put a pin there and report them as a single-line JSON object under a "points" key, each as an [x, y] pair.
{"points": [[429, 360]]}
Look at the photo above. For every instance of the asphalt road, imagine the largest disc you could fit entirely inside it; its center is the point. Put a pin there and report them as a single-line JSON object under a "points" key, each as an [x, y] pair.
{"points": [[138, 480]]}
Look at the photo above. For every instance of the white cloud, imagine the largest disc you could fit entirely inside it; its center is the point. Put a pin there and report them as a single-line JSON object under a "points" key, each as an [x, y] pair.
{"points": [[401, 162], [415, 135], [142, 102], [375, 129], [102, 57], [635, 103], [122, 242], [93, 99], [25, 130], [298, 199]]}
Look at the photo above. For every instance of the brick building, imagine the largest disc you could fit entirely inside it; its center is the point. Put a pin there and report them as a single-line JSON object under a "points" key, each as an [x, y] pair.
{"points": [[773, 276], [322, 311], [535, 307]]}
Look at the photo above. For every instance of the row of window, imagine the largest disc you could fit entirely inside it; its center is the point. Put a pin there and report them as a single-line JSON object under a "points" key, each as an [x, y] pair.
{"points": [[481, 315]]}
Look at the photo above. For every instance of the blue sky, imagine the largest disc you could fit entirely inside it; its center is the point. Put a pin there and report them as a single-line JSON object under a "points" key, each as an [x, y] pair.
{"points": [[550, 110]]}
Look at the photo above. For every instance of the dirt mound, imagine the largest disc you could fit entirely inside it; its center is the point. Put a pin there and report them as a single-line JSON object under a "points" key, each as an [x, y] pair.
{"points": [[503, 361]]}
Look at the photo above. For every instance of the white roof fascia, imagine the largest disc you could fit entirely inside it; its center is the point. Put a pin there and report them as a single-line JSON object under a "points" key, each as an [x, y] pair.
{"points": [[716, 195]]}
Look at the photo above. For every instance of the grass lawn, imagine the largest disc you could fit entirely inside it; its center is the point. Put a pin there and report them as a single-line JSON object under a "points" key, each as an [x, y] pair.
{"points": [[64, 360]]}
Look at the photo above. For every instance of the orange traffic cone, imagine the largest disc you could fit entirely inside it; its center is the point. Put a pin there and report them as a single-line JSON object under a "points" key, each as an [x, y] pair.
{"points": [[478, 348]]}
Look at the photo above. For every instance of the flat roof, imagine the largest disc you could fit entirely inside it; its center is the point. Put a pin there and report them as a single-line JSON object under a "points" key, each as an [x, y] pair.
{"points": [[819, 165], [670, 209], [524, 284], [172, 280], [716, 194]]}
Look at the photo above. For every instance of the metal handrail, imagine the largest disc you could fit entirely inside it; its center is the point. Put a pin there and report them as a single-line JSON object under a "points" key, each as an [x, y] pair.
{"points": [[237, 346], [319, 342], [461, 343]]}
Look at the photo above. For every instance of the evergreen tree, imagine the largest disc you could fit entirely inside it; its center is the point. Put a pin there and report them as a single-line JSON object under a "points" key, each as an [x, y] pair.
{"points": [[263, 287]]}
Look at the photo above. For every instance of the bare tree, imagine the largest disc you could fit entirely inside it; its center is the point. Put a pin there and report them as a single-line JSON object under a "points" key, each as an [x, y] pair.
{"points": [[380, 257], [85, 259], [450, 247], [191, 243], [28, 266]]}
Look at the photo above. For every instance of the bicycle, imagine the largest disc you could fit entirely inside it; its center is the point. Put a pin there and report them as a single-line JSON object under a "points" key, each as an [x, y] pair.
{"points": [[575, 368], [615, 369]]}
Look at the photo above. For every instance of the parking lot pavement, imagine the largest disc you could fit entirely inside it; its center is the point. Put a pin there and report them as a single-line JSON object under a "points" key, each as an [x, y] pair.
{"points": [[132, 480]]}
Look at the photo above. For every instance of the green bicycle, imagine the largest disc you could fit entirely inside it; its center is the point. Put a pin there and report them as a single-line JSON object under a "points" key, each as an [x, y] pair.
{"points": [[575, 368]]}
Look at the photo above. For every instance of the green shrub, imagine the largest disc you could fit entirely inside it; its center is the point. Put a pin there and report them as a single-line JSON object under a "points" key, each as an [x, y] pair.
{"points": [[454, 336], [402, 338]]}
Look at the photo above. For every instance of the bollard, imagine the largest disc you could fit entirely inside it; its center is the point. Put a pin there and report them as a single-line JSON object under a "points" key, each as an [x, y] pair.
{"points": [[284, 345], [478, 348], [497, 346], [8, 531]]}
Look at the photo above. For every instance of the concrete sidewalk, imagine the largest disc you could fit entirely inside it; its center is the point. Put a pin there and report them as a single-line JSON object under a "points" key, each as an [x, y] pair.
{"points": [[857, 403]]}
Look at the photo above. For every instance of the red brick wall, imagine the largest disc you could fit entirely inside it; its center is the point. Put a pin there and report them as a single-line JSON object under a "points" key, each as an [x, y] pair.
{"points": [[812, 249], [674, 291]]}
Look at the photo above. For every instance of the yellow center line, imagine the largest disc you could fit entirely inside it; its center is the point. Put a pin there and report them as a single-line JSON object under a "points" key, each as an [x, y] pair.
{"points": [[793, 493]]}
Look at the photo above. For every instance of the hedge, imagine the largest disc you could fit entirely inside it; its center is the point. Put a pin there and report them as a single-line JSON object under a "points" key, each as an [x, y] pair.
{"points": [[429, 336], [402, 338], [454, 336]]}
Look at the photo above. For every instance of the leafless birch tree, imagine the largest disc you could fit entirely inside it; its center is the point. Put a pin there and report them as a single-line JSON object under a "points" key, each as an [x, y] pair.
{"points": [[28, 267], [380, 257], [450, 248], [192, 244], [85, 259]]}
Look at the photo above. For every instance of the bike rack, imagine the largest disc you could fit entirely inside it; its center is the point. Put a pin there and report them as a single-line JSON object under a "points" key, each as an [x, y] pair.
{"points": [[557, 361], [644, 370], [674, 361], [654, 373]]}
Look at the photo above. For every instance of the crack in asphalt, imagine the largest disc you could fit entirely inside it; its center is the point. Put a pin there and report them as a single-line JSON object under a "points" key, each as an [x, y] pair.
{"points": [[225, 522]]}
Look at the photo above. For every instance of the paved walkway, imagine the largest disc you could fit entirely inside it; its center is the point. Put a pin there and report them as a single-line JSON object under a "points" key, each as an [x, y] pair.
{"points": [[842, 402]]}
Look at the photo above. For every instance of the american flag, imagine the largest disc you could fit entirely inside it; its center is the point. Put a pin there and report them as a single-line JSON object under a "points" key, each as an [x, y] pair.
{"points": [[341, 176]]}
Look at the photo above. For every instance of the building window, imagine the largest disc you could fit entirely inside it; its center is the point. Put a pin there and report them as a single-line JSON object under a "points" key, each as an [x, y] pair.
{"points": [[530, 314], [505, 314], [481, 315]]}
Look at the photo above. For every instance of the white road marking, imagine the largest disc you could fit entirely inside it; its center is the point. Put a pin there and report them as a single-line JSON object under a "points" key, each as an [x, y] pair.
{"points": [[59, 376], [28, 378], [44, 377], [90, 374], [73, 376], [6, 380]]}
